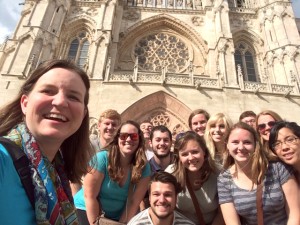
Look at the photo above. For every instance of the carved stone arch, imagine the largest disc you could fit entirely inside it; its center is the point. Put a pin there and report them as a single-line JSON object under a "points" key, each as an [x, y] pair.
{"points": [[170, 27], [251, 38], [255, 45], [163, 21], [87, 20], [161, 109], [72, 28]]}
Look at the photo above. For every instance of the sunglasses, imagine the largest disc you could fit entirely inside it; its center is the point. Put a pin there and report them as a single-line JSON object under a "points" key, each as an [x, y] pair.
{"points": [[133, 136], [263, 126]]}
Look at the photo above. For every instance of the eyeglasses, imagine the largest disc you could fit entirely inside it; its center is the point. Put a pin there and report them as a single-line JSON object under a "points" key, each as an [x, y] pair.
{"points": [[288, 140], [133, 136], [263, 126]]}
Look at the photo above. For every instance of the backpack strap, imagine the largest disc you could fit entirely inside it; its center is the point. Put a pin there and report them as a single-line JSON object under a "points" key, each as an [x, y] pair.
{"points": [[21, 163], [195, 202]]}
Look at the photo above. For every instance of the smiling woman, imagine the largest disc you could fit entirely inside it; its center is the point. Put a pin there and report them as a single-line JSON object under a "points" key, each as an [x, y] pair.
{"points": [[115, 170], [48, 121], [195, 171], [249, 176], [285, 143]]}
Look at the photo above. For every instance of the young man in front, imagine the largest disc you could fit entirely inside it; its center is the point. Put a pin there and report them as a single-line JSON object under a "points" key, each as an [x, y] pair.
{"points": [[163, 190]]}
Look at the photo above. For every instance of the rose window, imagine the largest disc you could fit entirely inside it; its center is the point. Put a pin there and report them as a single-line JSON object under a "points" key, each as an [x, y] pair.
{"points": [[158, 51]]}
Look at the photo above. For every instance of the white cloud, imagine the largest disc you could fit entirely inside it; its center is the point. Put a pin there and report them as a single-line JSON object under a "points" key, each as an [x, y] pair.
{"points": [[9, 16]]}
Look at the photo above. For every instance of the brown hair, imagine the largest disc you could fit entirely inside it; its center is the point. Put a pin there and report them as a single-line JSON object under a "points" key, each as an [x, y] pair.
{"points": [[138, 162], [197, 112], [75, 148], [247, 114], [179, 170], [165, 178], [259, 159]]}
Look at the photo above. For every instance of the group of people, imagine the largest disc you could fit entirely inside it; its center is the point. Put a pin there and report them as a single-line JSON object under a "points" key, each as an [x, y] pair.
{"points": [[216, 173]]}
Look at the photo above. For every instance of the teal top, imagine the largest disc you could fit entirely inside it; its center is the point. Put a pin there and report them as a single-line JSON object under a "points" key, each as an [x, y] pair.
{"points": [[112, 196], [15, 207]]}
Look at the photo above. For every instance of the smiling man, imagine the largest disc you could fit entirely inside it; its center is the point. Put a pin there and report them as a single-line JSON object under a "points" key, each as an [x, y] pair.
{"points": [[161, 143], [163, 190], [108, 124]]}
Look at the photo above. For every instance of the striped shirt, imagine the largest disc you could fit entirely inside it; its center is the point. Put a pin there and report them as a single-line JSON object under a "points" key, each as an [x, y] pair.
{"points": [[143, 218], [245, 200]]}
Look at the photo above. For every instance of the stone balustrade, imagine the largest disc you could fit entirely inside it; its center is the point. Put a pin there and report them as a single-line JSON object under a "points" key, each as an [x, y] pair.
{"points": [[200, 81]]}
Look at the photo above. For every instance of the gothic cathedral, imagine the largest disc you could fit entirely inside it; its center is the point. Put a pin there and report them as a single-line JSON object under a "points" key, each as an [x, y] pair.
{"points": [[161, 59]]}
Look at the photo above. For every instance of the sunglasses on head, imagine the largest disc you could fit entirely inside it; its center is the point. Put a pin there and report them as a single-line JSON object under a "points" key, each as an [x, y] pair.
{"points": [[133, 136], [263, 126]]}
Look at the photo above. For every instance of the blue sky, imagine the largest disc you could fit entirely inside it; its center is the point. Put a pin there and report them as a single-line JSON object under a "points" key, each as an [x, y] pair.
{"points": [[10, 14]]}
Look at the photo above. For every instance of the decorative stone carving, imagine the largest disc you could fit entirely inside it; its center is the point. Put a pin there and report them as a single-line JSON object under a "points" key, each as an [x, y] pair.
{"points": [[131, 15], [162, 49], [161, 119], [92, 12], [254, 86], [282, 88], [197, 21]]}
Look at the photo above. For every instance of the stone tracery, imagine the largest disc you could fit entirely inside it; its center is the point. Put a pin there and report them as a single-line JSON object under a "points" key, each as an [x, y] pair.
{"points": [[162, 51]]}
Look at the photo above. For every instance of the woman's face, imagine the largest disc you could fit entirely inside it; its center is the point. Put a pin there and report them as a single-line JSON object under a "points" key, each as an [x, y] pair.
{"points": [[241, 145], [217, 131], [264, 126], [198, 124], [192, 156], [54, 109], [128, 139], [287, 147]]}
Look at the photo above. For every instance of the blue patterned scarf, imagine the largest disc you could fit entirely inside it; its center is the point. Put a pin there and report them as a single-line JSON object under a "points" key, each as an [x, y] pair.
{"points": [[53, 198]]}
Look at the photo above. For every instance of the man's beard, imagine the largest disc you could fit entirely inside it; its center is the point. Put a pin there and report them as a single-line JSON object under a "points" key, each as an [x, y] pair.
{"points": [[161, 156]]}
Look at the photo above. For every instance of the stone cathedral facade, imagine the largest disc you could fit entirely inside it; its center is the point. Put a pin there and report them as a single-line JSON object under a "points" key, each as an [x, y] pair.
{"points": [[161, 59]]}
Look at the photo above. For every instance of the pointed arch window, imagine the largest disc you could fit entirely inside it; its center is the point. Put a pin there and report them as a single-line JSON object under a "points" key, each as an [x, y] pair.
{"points": [[78, 51], [245, 57]]}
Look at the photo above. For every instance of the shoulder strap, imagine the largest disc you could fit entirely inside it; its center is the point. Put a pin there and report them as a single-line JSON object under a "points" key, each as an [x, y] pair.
{"points": [[259, 204], [195, 202], [21, 164]]}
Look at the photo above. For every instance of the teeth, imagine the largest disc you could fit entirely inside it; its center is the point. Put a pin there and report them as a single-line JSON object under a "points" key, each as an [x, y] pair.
{"points": [[56, 116]]}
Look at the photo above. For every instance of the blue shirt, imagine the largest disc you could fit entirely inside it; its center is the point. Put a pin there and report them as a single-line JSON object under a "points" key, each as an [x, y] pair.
{"points": [[15, 207], [112, 196]]}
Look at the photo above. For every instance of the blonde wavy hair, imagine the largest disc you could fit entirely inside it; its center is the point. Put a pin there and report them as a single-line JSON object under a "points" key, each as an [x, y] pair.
{"points": [[219, 117]]}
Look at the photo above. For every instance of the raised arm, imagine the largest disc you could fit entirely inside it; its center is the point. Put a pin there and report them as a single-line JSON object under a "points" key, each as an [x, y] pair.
{"points": [[92, 184], [136, 198], [291, 192]]}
